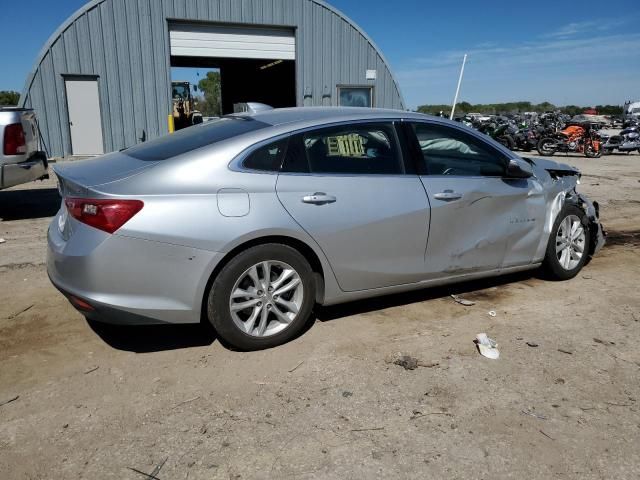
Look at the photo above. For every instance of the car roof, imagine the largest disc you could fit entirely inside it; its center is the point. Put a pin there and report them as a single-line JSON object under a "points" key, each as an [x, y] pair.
{"points": [[283, 116], [283, 121]]}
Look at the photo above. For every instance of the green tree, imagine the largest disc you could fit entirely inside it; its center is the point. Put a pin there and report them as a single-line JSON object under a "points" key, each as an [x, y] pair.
{"points": [[211, 105], [463, 107], [435, 109], [609, 109], [544, 107], [9, 98], [572, 110]]}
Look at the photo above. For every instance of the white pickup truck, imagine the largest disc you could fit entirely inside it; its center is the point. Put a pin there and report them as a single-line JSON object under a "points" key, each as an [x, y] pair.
{"points": [[631, 111], [21, 159]]}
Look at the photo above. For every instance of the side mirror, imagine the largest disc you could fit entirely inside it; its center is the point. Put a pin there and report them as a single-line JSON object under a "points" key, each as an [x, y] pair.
{"points": [[519, 169]]}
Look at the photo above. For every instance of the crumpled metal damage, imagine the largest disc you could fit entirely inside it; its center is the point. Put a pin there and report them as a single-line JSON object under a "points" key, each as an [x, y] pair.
{"points": [[560, 182]]}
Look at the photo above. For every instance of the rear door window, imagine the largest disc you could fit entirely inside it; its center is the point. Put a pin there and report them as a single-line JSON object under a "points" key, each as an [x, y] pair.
{"points": [[193, 138], [267, 158], [363, 149]]}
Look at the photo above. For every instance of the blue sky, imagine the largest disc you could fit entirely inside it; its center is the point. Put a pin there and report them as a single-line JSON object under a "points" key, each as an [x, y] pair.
{"points": [[585, 52]]}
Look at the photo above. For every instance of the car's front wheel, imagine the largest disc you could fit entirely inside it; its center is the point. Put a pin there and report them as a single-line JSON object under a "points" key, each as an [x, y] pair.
{"points": [[262, 298], [568, 246]]}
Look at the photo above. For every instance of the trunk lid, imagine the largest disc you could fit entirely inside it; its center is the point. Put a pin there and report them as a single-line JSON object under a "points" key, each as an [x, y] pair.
{"points": [[76, 177]]}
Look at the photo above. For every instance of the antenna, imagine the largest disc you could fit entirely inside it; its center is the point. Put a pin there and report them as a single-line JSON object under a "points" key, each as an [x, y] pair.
{"points": [[455, 100]]}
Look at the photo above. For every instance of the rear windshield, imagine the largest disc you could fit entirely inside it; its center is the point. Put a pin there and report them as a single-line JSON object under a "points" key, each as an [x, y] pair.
{"points": [[194, 137]]}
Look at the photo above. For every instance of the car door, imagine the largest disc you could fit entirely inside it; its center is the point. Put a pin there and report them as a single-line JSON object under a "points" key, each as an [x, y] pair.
{"points": [[347, 186], [480, 219]]}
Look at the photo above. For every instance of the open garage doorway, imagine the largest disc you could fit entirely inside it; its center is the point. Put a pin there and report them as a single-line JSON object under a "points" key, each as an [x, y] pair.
{"points": [[195, 96], [255, 64], [201, 86]]}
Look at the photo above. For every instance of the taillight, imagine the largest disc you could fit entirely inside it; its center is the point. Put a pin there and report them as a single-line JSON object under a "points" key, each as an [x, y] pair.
{"points": [[14, 142], [106, 215], [80, 304]]}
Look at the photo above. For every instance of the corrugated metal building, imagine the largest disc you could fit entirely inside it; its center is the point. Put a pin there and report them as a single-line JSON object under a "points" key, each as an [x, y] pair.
{"points": [[103, 80]]}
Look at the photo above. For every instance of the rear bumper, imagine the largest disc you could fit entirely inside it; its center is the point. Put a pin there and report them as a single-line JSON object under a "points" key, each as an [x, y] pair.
{"points": [[127, 280], [18, 173], [98, 312]]}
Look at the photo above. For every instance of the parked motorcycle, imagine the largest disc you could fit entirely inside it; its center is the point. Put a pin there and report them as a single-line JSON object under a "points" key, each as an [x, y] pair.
{"points": [[499, 132], [576, 138], [526, 139], [626, 141]]}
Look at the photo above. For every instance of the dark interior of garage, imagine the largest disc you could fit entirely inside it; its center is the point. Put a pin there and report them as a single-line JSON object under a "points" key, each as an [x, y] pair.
{"points": [[272, 82]]}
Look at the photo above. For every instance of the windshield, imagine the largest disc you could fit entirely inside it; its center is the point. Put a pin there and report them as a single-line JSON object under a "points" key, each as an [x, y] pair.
{"points": [[180, 91], [194, 137]]}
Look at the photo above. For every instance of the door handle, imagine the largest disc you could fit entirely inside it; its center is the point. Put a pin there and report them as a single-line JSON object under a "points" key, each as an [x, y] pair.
{"points": [[448, 195], [319, 198]]}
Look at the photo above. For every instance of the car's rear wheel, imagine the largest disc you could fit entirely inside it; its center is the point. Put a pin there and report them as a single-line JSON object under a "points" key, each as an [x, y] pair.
{"points": [[262, 297], [568, 246]]}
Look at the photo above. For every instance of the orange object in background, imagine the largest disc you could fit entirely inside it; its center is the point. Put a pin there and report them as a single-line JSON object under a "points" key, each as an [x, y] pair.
{"points": [[574, 132]]}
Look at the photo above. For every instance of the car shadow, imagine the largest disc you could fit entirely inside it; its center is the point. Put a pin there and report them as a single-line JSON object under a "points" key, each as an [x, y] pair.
{"points": [[157, 338], [334, 312], [154, 338], [29, 204]]}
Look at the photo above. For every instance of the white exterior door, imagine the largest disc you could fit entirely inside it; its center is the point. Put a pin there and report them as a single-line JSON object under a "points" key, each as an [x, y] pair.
{"points": [[221, 41], [85, 122]]}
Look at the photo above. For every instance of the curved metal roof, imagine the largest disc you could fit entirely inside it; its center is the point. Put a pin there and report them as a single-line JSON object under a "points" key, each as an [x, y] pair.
{"points": [[93, 3]]}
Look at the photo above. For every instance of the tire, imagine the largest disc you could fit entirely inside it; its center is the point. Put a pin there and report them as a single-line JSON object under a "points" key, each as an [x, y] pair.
{"points": [[607, 151], [544, 148], [507, 141], [559, 268], [246, 329], [589, 152]]}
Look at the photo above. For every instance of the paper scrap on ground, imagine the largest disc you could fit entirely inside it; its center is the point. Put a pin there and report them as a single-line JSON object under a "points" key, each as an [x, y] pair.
{"points": [[487, 346], [462, 301]]}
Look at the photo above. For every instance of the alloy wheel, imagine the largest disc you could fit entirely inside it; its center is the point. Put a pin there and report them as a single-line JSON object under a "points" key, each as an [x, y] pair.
{"points": [[266, 298], [570, 242]]}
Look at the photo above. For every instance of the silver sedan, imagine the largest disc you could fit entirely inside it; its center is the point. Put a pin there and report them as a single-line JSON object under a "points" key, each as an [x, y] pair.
{"points": [[251, 220]]}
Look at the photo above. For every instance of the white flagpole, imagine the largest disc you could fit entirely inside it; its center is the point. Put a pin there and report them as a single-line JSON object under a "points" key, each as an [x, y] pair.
{"points": [[455, 100]]}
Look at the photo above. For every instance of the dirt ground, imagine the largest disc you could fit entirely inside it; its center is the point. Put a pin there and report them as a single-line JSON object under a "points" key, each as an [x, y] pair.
{"points": [[563, 400]]}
